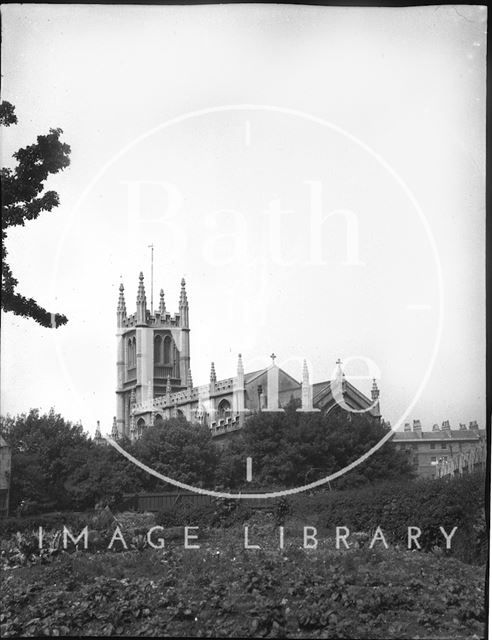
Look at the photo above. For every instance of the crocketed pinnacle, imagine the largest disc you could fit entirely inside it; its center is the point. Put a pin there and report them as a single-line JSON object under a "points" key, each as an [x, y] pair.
{"points": [[374, 390], [240, 367], [213, 377], [162, 304], [183, 300], [121, 300], [141, 289]]}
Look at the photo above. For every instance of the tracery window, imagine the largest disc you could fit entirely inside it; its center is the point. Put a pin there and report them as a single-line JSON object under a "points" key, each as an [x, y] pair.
{"points": [[158, 350], [131, 353], [167, 350], [224, 409]]}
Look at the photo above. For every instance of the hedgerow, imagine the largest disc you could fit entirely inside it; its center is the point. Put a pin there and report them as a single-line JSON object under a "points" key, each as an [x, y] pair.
{"points": [[427, 504]]}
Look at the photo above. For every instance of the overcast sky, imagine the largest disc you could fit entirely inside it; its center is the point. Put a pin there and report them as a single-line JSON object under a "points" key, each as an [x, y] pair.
{"points": [[224, 135]]}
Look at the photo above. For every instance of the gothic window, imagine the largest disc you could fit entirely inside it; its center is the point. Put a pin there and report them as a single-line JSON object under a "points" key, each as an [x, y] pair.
{"points": [[167, 350], [129, 353], [158, 350], [140, 426], [224, 409], [158, 421]]}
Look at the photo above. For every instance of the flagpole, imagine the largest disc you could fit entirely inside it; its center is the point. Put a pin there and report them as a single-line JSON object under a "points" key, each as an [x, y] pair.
{"points": [[151, 247]]}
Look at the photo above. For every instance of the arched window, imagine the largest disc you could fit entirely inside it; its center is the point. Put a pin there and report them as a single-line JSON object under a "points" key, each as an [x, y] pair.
{"points": [[158, 350], [158, 420], [167, 350], [129, 353], [224, 409], [140, 426]]}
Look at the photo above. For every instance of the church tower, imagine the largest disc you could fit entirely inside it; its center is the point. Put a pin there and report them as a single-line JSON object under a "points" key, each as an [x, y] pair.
{"points": [[153, 353]]}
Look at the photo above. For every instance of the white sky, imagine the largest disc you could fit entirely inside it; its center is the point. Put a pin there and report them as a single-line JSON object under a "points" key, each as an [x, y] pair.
{"points": [[408, 83]]}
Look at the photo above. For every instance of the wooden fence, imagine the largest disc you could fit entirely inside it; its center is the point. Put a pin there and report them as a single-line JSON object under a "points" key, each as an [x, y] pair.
{"points": [[166, 501]]}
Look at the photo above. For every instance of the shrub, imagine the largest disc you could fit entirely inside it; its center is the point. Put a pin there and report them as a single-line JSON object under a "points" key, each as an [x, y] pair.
{"points": [[221, 512], [73, 520], [428, 504], [186, 513]]}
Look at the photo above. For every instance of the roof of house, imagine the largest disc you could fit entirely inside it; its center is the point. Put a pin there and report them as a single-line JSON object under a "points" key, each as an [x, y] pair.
{"points": [[442, 434]]}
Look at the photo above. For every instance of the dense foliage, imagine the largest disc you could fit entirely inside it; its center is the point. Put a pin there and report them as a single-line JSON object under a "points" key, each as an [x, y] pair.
{"points": [[23, 200], [55, 465], [429, 504], [292, 449], [45, 450], [223, 589]]}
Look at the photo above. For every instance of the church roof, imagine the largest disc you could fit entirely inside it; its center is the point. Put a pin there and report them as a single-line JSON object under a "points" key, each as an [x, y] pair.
{"points": [[323, 394], [251, 376]]}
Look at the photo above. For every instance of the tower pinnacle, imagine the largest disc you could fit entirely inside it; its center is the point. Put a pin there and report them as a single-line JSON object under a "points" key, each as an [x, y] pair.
{"points": [[183, 300], [141, 288], [213, 376], [121, 299], [183, 306], [240, 367], [162, 304], [121, 308], [141, 301], [374, 390]]}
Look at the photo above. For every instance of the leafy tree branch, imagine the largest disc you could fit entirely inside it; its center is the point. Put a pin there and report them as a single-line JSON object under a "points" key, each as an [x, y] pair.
{"points": [[23, 200]]}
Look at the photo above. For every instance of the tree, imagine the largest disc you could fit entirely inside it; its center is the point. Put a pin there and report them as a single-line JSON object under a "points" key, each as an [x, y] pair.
{"points": [[293, 449], [179, 450], [23, 200], [45, 451], [101, 474]]}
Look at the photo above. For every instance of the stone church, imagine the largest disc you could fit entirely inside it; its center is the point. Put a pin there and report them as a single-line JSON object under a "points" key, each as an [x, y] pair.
{"points": [[154, 380]]}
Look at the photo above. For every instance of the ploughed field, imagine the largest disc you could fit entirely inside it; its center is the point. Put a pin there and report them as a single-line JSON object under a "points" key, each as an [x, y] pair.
{"points": [[225, 590]]}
